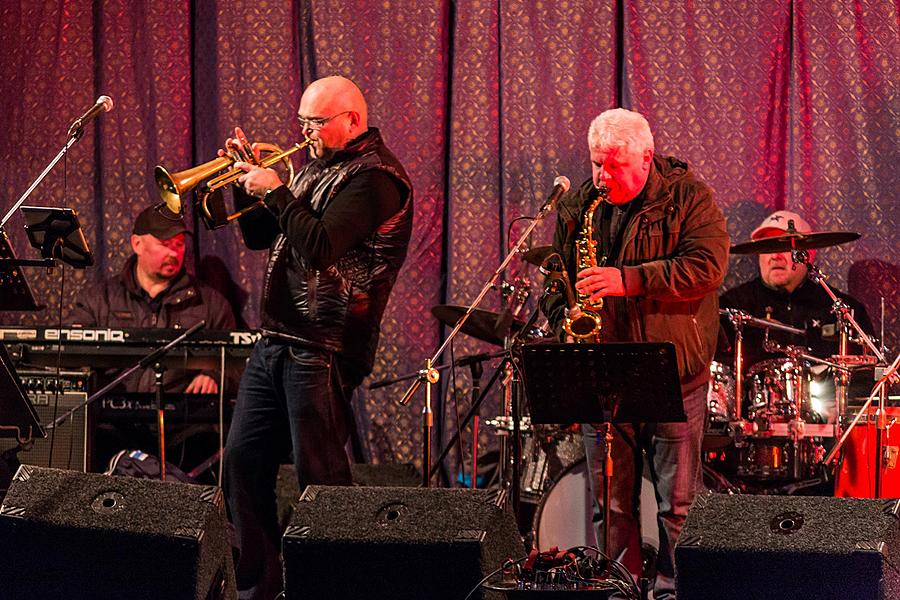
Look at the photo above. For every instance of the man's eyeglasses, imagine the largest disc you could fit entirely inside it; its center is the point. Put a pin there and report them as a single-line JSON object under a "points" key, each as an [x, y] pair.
{"points": [[317, 123]]}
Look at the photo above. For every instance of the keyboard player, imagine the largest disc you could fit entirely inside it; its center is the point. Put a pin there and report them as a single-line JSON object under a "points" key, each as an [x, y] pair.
{"points": [[155, 291]]}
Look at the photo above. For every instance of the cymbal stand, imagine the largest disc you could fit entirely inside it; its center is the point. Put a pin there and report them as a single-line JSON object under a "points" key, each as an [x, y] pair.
{"points": [[738, 427], [430, 375], [845, 317]]}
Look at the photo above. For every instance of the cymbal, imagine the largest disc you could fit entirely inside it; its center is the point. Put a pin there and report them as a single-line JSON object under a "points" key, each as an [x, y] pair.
{"points": [[538, 255], [795, 241], [481, 324]]}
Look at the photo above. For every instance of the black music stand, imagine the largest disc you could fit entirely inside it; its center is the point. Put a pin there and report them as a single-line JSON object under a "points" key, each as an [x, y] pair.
{"points": [[15, 294], [57, 233], [618, 382], [18, 418]]}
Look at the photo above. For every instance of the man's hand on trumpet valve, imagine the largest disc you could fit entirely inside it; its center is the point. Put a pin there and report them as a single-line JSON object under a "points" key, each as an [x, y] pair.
{"points": [[600, 282], [258, 181]]}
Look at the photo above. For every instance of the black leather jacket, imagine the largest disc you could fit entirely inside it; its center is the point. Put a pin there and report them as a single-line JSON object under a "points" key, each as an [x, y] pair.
{"points": [[338, 307]]}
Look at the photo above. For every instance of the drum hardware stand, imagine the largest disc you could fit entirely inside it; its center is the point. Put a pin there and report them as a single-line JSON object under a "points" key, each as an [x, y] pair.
{"points": [[429, 375], [740, 428], [845, 318], [476, 370]]}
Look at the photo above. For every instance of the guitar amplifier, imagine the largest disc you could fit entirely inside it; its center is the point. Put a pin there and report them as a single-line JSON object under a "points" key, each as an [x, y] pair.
{"points": [[70, 445]]}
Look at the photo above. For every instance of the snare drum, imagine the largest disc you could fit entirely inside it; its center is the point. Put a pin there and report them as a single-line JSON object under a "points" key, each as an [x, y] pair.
{"points": [[720, 397], [546, 454], [777, 394]]}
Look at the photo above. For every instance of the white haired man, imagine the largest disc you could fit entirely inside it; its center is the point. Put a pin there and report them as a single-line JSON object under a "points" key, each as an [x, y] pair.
{"points": [[662, 253]]}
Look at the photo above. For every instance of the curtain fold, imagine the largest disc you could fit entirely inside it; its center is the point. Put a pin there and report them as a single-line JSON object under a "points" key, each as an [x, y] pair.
{"points": [[777, 104]]}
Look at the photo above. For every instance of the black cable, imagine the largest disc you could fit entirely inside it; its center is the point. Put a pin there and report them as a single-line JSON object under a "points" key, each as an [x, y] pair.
{"points": [[504, 566]]}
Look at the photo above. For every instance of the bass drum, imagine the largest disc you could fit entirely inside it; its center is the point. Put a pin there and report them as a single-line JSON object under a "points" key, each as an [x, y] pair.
{"points": [[565, 514]]}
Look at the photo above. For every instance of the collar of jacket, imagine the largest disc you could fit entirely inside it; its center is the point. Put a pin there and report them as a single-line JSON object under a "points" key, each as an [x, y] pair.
{"points": [[181, 288], [664, 171], [358, 145]]}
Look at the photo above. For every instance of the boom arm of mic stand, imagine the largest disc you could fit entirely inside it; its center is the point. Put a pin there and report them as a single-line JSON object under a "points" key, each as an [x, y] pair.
{"points": [[142, 364], [461, 362], [39, 179], [484, 290]]}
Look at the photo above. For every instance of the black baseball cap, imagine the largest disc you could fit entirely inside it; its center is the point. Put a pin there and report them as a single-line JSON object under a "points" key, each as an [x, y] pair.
{"points": [[160, 222]]}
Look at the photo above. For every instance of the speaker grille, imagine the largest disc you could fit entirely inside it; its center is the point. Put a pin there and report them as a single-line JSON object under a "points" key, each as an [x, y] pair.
{"points": [[80, 535], [70, 447], [395, 542], [789, 547]]}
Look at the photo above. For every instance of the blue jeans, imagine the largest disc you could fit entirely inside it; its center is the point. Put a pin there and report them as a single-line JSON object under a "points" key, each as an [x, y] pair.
{"points": [[673, 452], [290, 399]]}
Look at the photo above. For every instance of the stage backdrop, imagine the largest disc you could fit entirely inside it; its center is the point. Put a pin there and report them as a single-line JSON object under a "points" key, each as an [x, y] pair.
{"points": [[775, 103]]}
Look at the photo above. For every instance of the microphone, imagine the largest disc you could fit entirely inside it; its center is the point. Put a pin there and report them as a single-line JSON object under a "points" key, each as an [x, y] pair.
{"points": [[102, 105], [561, 185]]}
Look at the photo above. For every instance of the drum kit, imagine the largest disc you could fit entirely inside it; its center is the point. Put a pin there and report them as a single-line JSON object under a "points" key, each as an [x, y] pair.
{"points": [[773, 426], [769, 426]]}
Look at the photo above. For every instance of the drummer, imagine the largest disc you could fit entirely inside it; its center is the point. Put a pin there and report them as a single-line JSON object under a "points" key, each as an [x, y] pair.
{"points": [[784, 293]]}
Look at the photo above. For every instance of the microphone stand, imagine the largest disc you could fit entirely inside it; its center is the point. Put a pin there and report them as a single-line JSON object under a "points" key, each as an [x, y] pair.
{"points": [[74, 135], [430, 375]]}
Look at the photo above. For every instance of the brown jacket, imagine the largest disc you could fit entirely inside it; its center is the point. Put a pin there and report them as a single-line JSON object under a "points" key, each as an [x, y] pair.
{"points": [[673, 258]]}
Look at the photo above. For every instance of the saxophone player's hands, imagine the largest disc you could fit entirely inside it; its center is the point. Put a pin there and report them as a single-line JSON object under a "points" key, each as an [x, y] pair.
{"points": [[600, 282]]}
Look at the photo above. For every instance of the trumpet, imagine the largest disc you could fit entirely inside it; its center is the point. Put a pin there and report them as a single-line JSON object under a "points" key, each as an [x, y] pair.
{"points": [[216, 174]]}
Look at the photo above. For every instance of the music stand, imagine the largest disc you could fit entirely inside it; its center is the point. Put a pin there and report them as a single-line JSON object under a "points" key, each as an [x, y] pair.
{"points": [[617, 382], [17, 415], [57, 233], [622, 382], [15, 294]]}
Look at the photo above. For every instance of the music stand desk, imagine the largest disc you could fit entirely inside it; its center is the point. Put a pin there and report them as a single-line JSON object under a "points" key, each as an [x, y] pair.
{"points": [[57, 233], [622, 382]]}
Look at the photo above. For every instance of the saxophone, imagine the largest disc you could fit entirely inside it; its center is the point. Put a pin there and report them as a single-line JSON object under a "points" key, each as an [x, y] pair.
{"points": [[586, 327]]}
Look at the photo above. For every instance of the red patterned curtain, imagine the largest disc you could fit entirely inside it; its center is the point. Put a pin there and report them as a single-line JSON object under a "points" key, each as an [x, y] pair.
{"points": [[777, 104]]}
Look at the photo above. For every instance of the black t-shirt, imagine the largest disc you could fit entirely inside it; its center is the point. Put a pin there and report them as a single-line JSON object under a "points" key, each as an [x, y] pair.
{"points": [[610, 222]]}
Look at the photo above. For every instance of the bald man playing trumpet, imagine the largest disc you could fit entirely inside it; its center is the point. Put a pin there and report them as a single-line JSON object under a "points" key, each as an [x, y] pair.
{"points": [[337, 238]]}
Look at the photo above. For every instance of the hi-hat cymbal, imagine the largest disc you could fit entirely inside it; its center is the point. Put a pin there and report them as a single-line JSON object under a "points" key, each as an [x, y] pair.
{"points": [[795, 241], [538, 255], [481, 324]]}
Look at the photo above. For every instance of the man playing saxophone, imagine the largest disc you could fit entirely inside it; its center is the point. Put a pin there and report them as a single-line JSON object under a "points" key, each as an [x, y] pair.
{"points": [[661, 254]]}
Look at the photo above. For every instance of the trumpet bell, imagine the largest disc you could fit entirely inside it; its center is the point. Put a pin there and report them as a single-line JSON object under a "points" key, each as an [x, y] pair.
{"points": [[172, 185], [168, 191]]}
